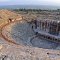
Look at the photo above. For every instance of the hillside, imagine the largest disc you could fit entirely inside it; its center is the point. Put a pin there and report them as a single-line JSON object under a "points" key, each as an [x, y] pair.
{"points": [[5, 15]]}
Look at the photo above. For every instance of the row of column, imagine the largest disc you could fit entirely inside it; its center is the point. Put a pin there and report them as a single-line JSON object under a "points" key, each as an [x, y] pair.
{"points": [[46, 25], [43, 25]]}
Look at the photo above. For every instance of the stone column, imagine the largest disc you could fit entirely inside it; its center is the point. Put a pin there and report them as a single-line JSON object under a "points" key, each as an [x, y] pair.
{"points": [[41, 25]]}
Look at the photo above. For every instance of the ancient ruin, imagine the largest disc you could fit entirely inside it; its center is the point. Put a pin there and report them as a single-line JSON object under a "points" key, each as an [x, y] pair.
{"points": [[49, 29]]}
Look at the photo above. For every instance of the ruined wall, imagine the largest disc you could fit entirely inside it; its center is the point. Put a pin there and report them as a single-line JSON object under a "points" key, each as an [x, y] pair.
{"points": [[52, 27]]}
